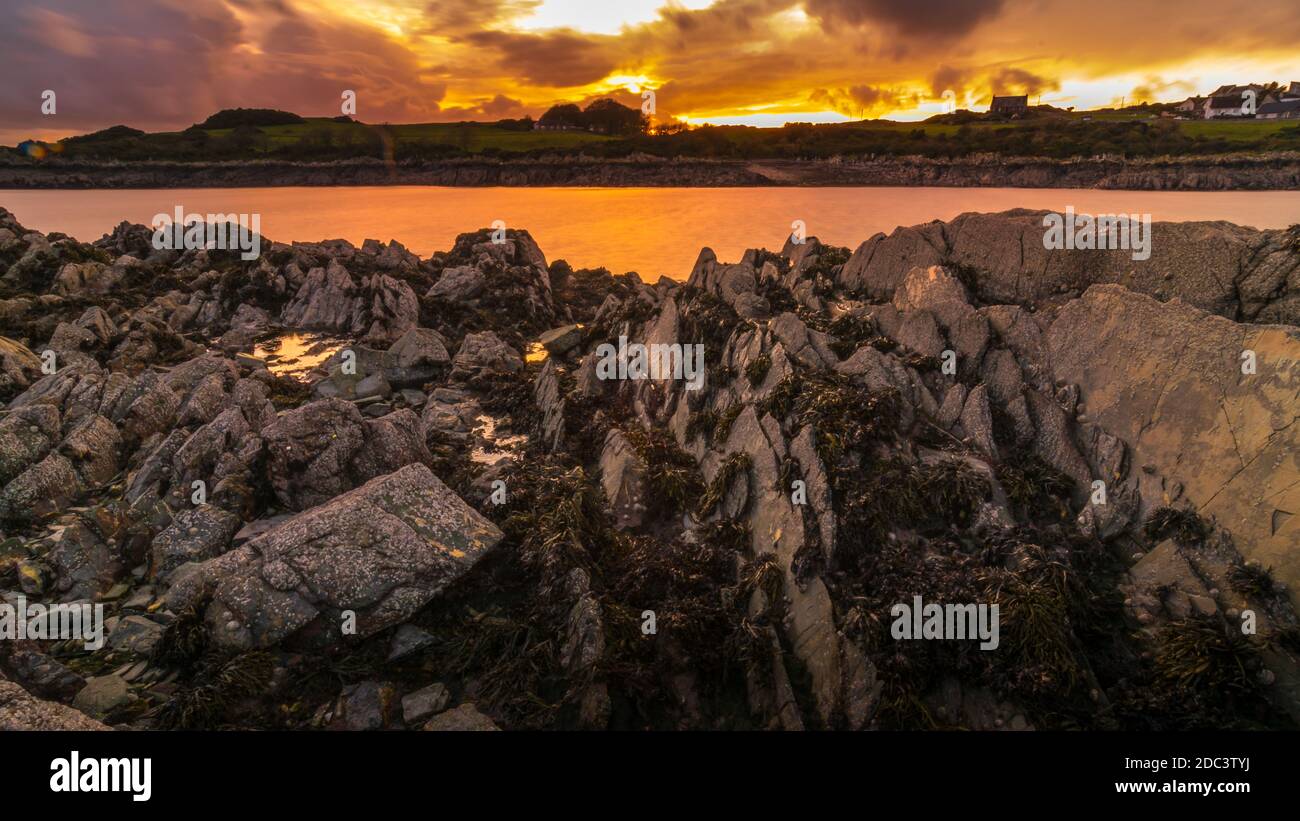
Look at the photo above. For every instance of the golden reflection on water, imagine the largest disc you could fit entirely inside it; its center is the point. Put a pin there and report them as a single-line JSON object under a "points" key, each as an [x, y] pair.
{"points": [[536, 353], [296, 353], [653, 231]]}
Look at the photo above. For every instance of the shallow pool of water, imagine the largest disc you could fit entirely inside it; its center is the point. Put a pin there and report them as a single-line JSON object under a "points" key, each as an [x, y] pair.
{"points": [[294, 353]]}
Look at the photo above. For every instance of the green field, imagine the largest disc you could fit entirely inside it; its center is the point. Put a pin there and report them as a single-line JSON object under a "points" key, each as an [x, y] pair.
{"points": [[470, 137], [1052, 134]]}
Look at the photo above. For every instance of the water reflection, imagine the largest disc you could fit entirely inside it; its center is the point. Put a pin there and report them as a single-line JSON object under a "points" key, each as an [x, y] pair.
{"points": [[294, 353]]}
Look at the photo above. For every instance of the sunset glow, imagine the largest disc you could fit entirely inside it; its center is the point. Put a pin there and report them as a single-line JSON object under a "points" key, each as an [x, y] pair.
{"points": [[758, 62]]}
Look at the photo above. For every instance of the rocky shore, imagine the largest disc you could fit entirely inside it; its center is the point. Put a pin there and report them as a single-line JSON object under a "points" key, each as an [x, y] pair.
{"points": [[1253, 172], [454, 522]]}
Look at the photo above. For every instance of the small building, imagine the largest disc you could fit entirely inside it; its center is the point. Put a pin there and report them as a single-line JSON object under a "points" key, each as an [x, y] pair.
{"points": [[1292, 92], [1192, 105], [1281, 110], [1010, 105], [1225, 105]]}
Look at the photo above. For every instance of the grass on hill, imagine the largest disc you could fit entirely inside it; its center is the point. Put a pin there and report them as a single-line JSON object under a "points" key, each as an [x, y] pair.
{"points": [[1052, 134]]}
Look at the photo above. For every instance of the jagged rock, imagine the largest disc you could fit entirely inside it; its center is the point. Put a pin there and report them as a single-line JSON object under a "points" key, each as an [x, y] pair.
{"points": [[310, 451], [623, 475], [880, 263], [419, 356], [136, 635], [485, 352], [1055, 443], [940, 293], [27, 434], [204, 402], [394, 310], [391, 441], [777, 527], [546, 393], [459, 284], [804, 450], [42, 489], [84, 564], [584, 639], [811, 348], [197, 534], [381, 551], [93, 448], [920, 333], [19, 367], [977, 421], [954, 401], [85, 278], [559, 341], [328, 301]]}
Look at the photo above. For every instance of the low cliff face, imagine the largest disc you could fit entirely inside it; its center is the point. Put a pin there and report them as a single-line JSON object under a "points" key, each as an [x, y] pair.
{"points": [[1226, 173], [478, 511]]}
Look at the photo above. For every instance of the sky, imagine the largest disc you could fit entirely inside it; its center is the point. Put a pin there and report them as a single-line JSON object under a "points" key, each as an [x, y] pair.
{"points": [[165, 64]]}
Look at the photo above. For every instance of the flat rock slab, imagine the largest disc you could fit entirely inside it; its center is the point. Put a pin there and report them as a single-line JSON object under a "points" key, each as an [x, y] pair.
{"points": [[1167, 378], [381, 551]]}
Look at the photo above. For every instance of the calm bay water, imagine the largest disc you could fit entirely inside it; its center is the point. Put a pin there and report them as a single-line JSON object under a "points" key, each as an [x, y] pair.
{"points": [[652, 231]]}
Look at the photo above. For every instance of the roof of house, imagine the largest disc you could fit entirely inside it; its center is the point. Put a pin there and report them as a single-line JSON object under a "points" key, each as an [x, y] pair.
{"points": [[1226, 101], [1279, 108], [1014, 99]]}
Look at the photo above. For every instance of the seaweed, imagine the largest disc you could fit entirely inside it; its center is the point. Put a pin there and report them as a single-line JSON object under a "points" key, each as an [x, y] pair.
{"points": [[733, 467], [1035, 489], [671, 474], [219, 687], [1184, 526]]}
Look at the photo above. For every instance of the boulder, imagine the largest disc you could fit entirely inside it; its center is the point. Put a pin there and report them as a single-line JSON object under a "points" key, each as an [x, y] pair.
{"points": [[459, 284], [419, 356], [379, 552], [465, 718], [482, 353]]}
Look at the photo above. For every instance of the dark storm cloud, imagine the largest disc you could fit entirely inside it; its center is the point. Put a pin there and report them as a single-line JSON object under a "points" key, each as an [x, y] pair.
{"points": [[454, 17], [160, 64], [857, 101], [1009, 80], [556, 59], [937, 18]]}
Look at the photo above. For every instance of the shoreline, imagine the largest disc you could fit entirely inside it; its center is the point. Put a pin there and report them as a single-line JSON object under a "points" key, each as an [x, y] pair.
{"points": [[1274, 172]]}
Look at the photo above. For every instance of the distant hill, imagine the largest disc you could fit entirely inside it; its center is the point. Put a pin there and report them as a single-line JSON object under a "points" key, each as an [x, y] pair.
{"points": [[235, 117], [116, 132]]}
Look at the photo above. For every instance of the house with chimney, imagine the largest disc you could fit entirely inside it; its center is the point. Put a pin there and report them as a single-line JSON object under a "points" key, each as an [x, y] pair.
{"points": [[1012, 105], [1230, 100]]}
